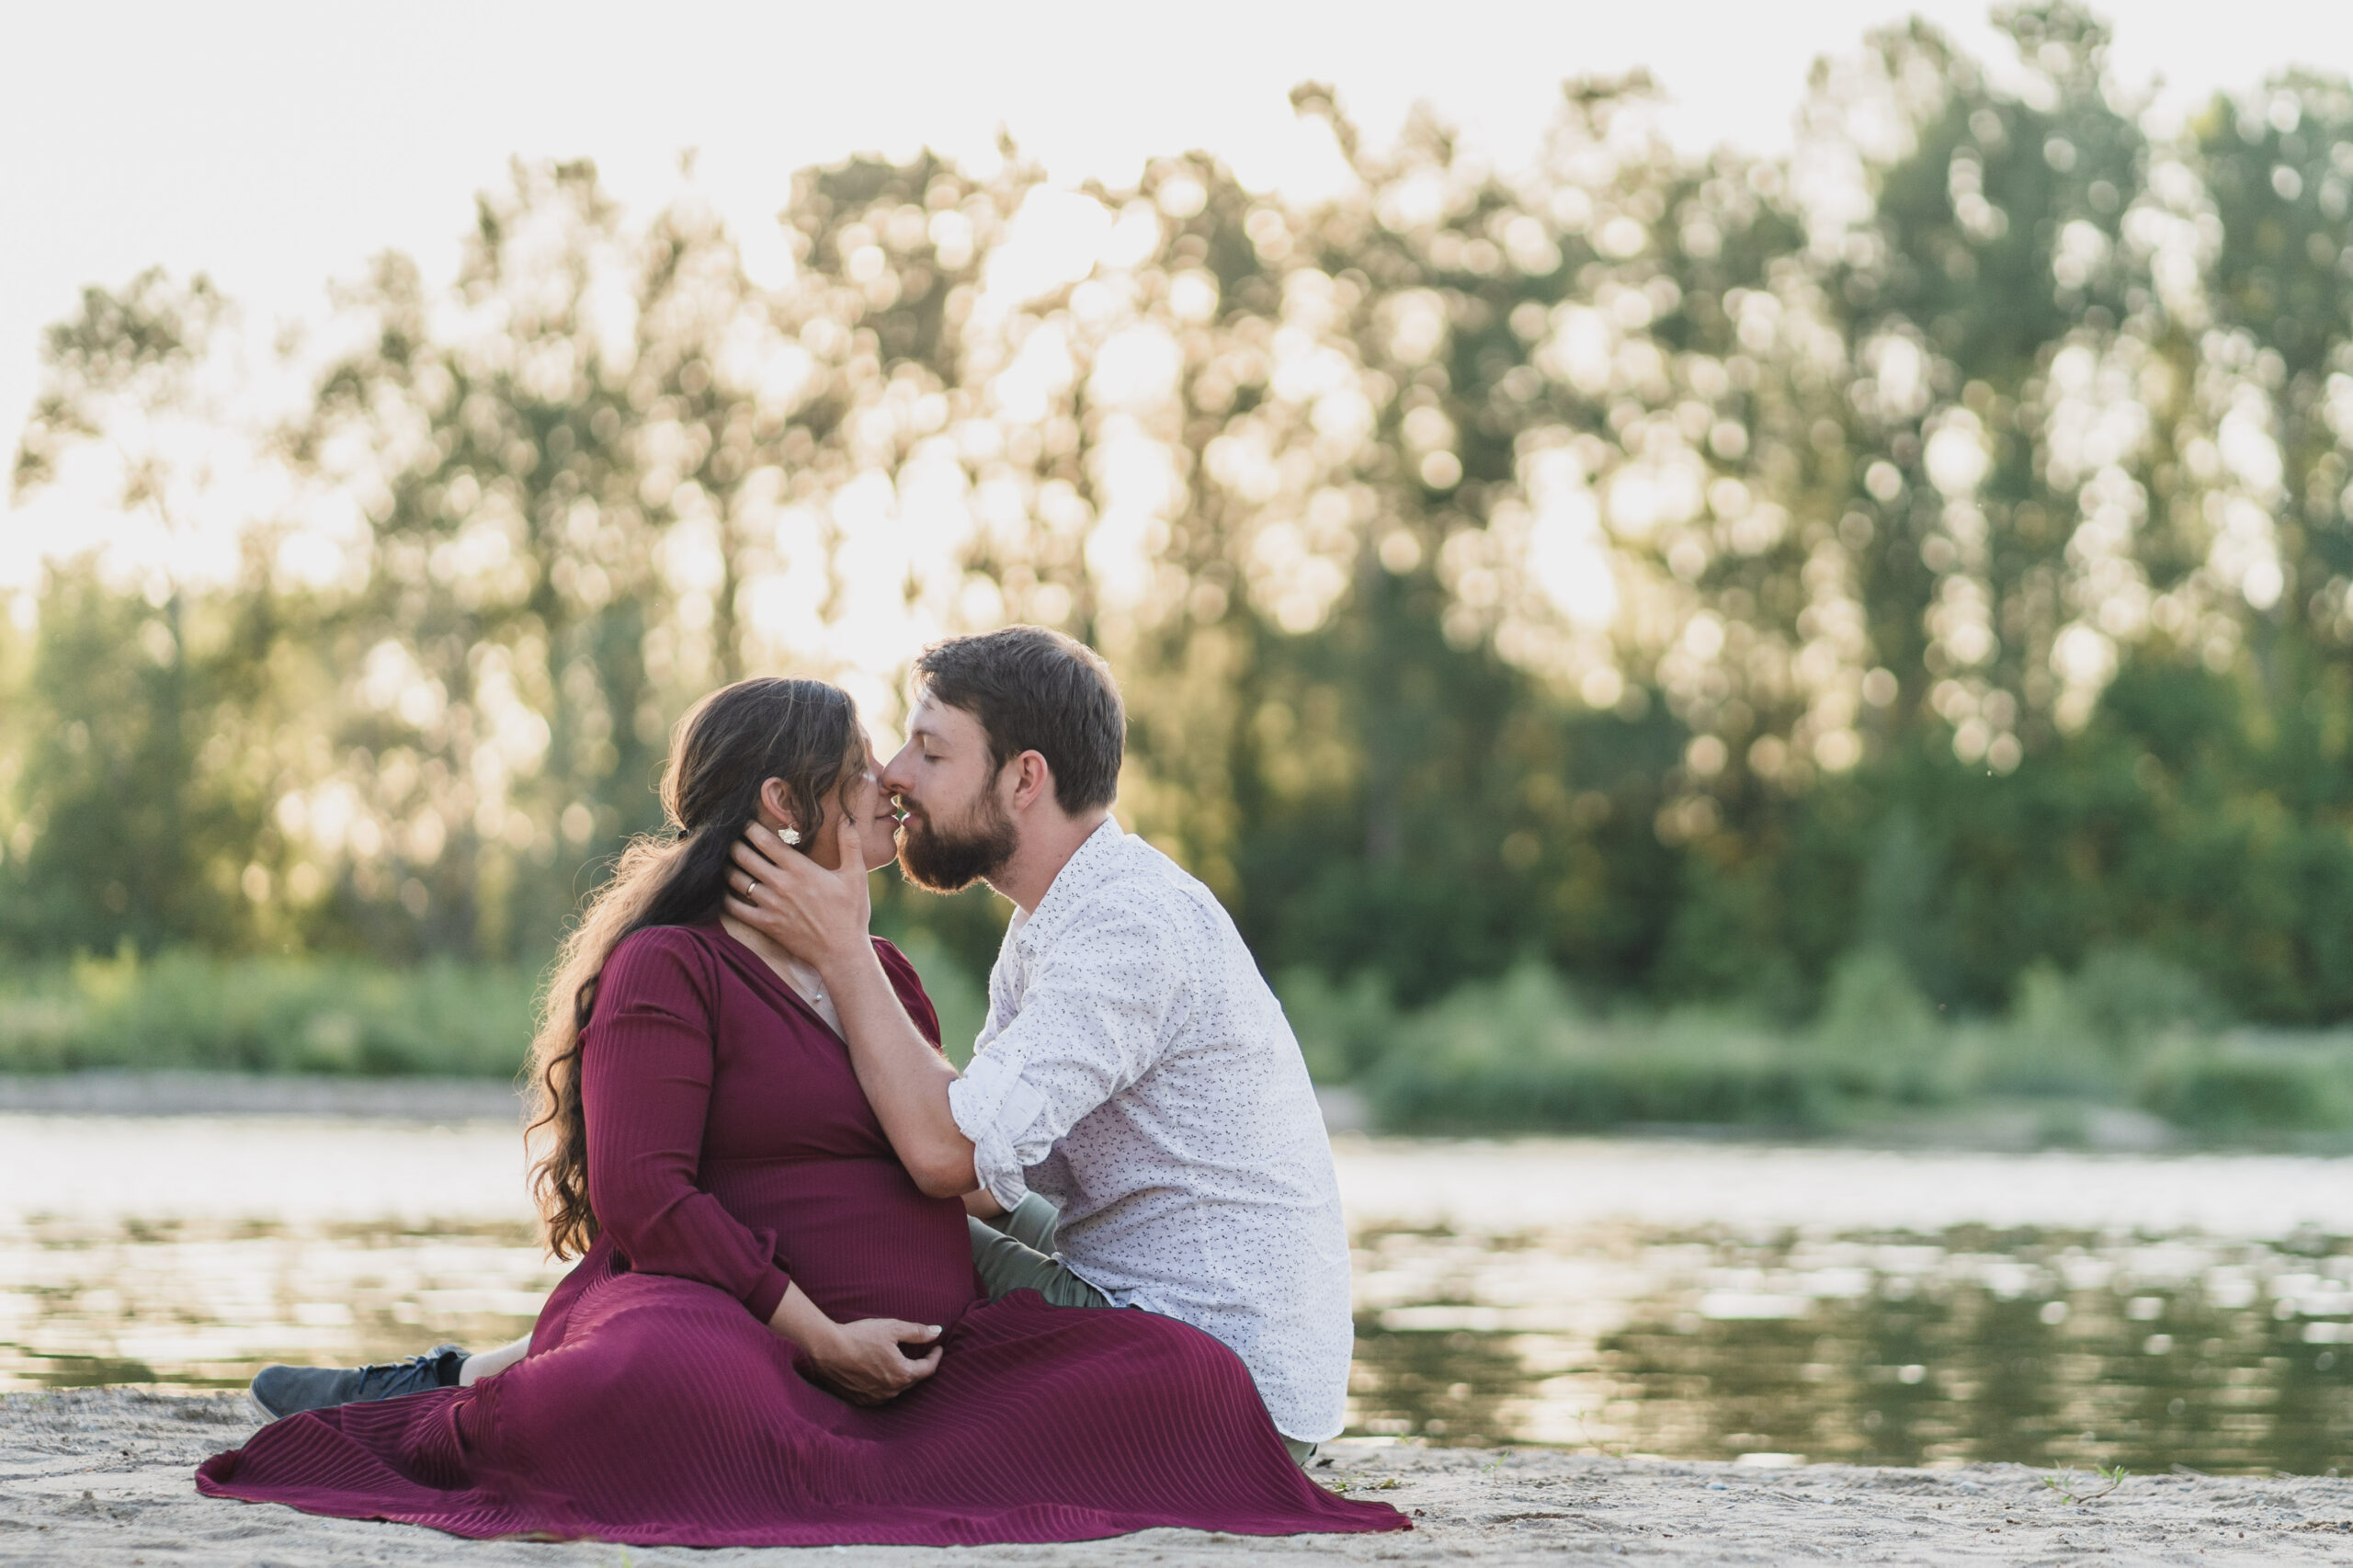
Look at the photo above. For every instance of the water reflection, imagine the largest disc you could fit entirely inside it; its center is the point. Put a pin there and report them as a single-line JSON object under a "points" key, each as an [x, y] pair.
{"points": [[192, 1304], [2041, 1346], [1693, 1301]]}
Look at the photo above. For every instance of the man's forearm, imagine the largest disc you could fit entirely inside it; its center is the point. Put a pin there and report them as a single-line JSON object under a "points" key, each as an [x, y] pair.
{"points": [[820, 915], [904, 1079]]}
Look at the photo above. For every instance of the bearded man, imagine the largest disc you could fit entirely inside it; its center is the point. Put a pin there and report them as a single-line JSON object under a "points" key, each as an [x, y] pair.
{"points": [[1136, 1086]]}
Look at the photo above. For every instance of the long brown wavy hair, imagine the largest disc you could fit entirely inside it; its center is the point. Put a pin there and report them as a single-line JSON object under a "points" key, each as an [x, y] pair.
{"points": [[802, 731]]}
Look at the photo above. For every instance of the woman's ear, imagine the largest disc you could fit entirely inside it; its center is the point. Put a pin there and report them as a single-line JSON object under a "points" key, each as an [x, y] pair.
{"points": [[777, 813]]}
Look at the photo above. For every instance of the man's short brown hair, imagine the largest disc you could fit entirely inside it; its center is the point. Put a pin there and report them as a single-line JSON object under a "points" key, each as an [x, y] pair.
{"points": [[1034, 689]]}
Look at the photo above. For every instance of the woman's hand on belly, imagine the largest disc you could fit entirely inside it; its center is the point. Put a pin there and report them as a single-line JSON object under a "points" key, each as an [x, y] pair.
{"points": [[861, 1360]]}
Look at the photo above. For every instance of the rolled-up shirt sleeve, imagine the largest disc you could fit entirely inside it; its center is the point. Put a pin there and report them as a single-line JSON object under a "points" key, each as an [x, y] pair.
{"points": [[1091, 1024]]}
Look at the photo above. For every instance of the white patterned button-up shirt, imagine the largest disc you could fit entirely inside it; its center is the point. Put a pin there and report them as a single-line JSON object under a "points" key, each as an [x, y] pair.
{"points": [[1136, 1070]]}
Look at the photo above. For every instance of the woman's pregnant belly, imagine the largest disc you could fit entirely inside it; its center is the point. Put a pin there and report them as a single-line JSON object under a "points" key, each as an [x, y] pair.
{"points": [[856, 1235]]}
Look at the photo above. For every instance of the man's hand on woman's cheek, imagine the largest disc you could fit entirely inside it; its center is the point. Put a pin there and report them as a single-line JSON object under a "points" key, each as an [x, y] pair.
{"points": [[817, 915]]}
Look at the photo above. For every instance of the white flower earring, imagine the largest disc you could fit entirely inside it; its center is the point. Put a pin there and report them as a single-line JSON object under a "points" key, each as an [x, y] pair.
{"points": [[791, 835]]}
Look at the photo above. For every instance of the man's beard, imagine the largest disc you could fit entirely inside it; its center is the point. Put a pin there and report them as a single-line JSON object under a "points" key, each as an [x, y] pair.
{"points": [[951, 859]]}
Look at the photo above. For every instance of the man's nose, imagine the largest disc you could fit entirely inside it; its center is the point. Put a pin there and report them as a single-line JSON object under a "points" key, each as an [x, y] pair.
{"points": [[894, 778]]}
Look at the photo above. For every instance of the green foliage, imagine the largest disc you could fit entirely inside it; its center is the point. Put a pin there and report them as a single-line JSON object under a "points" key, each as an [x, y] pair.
{"points": [[1465, 1091], [2087, 1034], [2051, 1047], [2075, 1491], [2230, 1089], [1343, 1029], [960, 1000], [1920, 598], [187, 1010], [1522, 1053], [132, 806], [2128, 996], [1877, 1035], [1519, 1055], [1873, 1009]]}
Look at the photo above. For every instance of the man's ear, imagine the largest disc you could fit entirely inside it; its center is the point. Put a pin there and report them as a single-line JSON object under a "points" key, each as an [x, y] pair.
{"points": [[1033, 779]]}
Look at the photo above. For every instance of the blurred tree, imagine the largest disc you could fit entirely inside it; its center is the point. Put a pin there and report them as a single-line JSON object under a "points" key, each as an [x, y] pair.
{"points": [[138, 813], [589, 477], [1686, 570]]}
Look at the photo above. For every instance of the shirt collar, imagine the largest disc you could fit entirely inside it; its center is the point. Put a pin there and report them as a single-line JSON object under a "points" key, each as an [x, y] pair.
{"points": [[1089, 865]]}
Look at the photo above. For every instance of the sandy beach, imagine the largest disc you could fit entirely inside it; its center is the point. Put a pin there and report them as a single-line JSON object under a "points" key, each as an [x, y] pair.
{"points": [[93, 1477]]}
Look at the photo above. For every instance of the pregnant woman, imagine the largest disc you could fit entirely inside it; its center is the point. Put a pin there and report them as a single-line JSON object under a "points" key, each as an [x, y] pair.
{"points": [[773, 1337]]}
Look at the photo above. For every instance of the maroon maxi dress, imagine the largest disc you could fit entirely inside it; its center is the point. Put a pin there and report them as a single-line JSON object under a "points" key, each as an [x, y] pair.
{"points": [[731, 1151]]}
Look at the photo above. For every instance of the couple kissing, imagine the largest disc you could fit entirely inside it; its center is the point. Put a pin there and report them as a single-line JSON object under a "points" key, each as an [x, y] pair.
{"points": [[830, 1290]]}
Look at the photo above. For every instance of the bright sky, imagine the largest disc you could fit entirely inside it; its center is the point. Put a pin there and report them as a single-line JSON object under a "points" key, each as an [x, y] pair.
{"points": [[276, 145]]}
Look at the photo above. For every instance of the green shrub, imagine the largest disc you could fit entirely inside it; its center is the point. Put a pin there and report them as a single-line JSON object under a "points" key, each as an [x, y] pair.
{"points": [[188, 1011], [2050, 1047], [1472, 1091], [1877, 1038], [1521, 1055], [962, 1002], [1872, 1008], [1344, 1031], [184, 1010], [2130, 998], [1530, 1010], [2080, 1036], [2233, 1089]]}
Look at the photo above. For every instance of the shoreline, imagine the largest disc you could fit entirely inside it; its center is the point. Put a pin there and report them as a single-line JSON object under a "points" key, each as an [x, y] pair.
{"points": [[177, 1093], [93, 1477], [1988, 1128]]}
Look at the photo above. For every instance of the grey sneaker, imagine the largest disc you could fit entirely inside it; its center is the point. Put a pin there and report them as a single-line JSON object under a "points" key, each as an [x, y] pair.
{"points": [[282, 1390]]}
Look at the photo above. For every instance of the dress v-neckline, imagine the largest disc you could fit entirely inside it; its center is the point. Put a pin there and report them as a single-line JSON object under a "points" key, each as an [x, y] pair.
{"points": [[762, 970]]}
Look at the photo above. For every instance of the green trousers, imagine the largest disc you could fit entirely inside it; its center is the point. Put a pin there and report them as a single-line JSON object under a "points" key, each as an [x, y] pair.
{"points": [[1014, 1251]]}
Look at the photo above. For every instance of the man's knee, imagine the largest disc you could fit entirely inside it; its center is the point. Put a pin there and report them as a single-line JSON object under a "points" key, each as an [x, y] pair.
{"points": [[1003, 1264], [1031, 1222], [1006, 1266]]}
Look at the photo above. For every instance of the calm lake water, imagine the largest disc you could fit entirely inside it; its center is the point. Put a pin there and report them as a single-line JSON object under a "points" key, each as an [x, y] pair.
{"points": [[1773, 1304]]}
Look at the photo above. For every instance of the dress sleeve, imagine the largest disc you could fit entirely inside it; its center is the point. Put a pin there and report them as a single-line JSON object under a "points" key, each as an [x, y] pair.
{"points": [[645, 1087], [1093, 1020]]}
